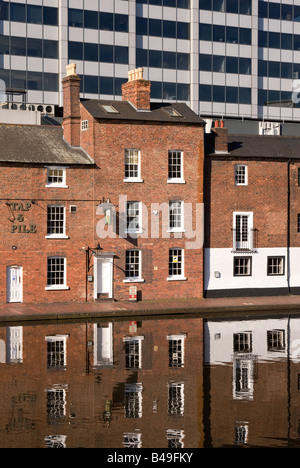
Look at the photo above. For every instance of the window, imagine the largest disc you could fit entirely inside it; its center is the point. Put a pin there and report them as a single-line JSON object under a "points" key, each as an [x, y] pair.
{"points": [[56, 177], [56, 221], [275, 266], [133, 217], [240, 171], [176, 399], [56, 273], [241, 434], [242, 342], [84, 125], [132, 440], [276, 340], [132, 166], [175, 216], [242, 231], [133, 265], [133, 352], [175, 438], [176, 350], [176, 264], [175, 166], [56, 405], [242, 266], [133, 400], [56, 351]]}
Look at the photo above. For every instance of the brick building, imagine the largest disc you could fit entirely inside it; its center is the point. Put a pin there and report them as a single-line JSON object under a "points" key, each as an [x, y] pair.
{"points": [[104, 203], [149, 174], [252, 199]]}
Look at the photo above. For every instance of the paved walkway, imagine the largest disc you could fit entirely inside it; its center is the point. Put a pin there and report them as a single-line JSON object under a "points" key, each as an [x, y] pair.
{"points": [[217, 307]]}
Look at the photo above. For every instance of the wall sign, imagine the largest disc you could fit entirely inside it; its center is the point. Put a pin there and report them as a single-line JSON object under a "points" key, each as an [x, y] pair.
{"points": [[20, 209]]}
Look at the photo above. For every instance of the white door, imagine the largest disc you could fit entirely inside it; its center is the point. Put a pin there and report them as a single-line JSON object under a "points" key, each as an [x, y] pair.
{"points": [[14, 284], [104, 277], [15, 344]]}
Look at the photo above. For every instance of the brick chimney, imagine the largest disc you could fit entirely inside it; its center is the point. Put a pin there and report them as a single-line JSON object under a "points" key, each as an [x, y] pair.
{"points": [[71, 113], [137, 90], [220, 137]]}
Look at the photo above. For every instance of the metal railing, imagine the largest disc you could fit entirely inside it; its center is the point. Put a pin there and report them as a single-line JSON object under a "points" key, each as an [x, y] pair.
{"points": [[244, 240]]}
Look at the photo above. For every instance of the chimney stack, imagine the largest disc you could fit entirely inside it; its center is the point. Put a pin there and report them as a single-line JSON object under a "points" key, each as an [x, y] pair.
{"points": [[137, 90], [71, 100], [220, 137]]}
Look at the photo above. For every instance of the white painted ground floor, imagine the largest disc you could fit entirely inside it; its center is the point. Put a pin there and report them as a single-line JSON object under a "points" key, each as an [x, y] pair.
{"points": [[263, 271]]}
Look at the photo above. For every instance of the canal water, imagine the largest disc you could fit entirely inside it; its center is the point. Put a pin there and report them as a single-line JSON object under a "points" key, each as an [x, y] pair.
{"points": [[164, 383]]}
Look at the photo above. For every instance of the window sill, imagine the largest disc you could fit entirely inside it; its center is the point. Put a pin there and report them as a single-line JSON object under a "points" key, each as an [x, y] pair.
{"points": [[176, 230], [178, 278], [175, 181], [57, 236], [57, 186], [137, 180], [133, 280], [57, 288], [138, 231]]}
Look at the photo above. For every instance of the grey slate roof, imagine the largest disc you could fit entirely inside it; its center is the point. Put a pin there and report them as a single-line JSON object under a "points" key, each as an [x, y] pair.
{"points": [[38, 145], [260, 146], [158, 112]]}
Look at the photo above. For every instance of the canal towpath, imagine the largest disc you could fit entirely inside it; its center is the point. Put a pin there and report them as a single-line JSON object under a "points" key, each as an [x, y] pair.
{"points": [[109, 309]]}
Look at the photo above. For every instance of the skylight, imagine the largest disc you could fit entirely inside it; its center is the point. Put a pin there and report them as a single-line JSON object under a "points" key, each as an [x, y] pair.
{"points": [[109, 109], [172, 112]]}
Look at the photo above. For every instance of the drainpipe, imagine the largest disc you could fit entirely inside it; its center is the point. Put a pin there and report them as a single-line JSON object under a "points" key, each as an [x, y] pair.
{"points": [[288, 226]]}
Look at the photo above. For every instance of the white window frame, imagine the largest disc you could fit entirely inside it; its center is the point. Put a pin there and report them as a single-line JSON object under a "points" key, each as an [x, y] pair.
{"points": [[180, 277], [174, 360], [138, 177], [134, 279], [176, 405], [236, 174], [57, 235], [179, 228], [84, 125], [249, 215], [139, 229], [58, 287], [132, 440], [133, 400], [139, 340], [62, 184], [55, 339], [176, 180]]}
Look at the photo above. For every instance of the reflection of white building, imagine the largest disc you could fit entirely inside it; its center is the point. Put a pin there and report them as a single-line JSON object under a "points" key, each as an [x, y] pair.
{"points": [[243, 343]]}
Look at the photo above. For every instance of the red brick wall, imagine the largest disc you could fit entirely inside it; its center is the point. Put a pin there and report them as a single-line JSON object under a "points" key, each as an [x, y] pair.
{"points": [[22, 185], [265, 196], [154, 141]]}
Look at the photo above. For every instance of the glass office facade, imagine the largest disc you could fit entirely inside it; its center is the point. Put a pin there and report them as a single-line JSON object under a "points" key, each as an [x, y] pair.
{"points": [[235, 58]]}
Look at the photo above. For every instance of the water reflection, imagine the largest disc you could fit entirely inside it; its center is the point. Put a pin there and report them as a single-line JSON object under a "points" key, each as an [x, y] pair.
{"points": [[154, 383], [107, 384]]}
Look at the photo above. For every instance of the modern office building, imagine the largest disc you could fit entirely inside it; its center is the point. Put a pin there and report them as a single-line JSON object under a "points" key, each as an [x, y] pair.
{"points": [[225, 58]]}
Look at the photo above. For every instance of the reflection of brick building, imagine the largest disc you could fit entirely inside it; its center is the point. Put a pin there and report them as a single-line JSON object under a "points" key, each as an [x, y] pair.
{"points": [[146, 158], [89, 385]]}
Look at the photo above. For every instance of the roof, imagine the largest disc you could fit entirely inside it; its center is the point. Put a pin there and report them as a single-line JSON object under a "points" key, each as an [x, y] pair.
{"points": [[159, 112], [260, 146], [38, 145]]}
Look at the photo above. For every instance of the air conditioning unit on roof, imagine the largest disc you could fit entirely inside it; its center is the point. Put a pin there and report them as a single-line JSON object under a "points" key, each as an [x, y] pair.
{"points": [[269, 128]]}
